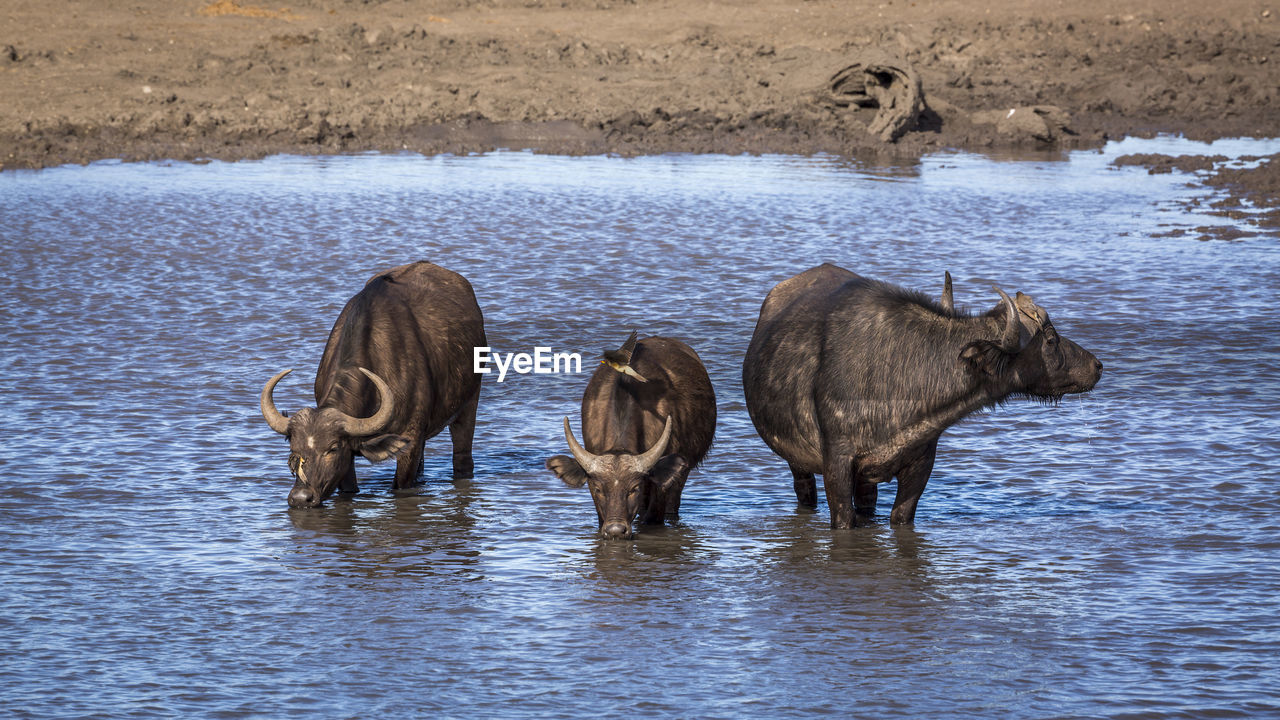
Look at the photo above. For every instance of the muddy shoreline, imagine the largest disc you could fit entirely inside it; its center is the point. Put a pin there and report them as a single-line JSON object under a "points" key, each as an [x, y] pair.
{"points": [[147, 80]]}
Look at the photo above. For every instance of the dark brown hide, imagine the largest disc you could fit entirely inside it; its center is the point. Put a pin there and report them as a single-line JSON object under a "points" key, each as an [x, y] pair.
{"points": [[415, 327], [623, 417], [856, 379]]}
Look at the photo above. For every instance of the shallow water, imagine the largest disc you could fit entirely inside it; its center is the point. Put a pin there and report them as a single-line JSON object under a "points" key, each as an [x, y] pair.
{"points": [[1111, 557]]}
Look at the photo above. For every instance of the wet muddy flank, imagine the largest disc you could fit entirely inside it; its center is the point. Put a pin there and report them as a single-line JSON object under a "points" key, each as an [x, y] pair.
{"points": [[1112, 556]]}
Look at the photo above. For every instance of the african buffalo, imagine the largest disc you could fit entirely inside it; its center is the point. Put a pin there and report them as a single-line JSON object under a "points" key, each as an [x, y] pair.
{"points": [[648, 418], [855, 379], [396, 371]]}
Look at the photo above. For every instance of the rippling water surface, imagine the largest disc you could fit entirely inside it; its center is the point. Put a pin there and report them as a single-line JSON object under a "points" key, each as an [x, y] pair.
{"points": [[1115, 556]]}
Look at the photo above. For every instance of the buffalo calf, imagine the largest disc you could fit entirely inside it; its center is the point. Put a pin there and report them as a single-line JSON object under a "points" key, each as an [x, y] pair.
{"points": [[648, 418]]}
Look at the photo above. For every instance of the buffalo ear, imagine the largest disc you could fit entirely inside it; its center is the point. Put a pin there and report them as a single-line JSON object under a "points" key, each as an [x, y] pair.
{"points": [[667, 470], [381, 447], [985, 357], [567, 469]]}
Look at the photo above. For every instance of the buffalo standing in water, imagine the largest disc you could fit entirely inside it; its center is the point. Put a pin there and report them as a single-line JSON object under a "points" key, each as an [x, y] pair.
{"points": [[648, 418], [396, 371], [856, 379]]}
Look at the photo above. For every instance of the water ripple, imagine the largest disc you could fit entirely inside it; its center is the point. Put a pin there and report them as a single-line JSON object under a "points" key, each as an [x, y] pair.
{"points": [[1109, 557]]}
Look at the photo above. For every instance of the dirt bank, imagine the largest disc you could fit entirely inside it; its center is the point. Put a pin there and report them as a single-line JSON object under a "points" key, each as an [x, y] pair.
{"points": [[142, 79]]}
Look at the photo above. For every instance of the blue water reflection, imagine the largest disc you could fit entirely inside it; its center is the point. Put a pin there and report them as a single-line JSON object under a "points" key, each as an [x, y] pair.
{"points": [[1113, 556]]}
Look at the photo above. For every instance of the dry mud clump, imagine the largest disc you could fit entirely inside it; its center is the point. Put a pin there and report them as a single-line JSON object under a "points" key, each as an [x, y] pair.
{"points": [[190, 79]]}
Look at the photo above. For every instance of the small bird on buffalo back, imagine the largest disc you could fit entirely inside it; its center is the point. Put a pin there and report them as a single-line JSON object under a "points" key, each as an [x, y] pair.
{"points": [[620, 359]]}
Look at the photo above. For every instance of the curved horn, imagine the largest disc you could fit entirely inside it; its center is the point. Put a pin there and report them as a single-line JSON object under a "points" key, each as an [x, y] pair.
{"points": [[645, 462], [1010, 338], [372, 425], [275, 419], [590, 463], [948, 299]]}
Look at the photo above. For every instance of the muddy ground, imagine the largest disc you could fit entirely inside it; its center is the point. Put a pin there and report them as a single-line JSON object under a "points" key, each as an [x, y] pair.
{"points": [[82, 80], [1248, 191]]}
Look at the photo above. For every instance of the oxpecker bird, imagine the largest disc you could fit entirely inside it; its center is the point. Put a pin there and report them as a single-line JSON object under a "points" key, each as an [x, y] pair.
{"points": [[620, 359]]}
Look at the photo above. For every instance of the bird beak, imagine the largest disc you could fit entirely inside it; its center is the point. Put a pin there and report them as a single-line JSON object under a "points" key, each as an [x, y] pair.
{"points": [[626, 370]]}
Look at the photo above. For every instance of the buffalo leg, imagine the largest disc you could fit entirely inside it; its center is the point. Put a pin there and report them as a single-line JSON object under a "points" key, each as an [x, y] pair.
{"points": [[865, 493], [837, 481], [348, 482], [806, 487], [661, 504], [409, 465], [911, 482], [653, 506], [461, 431], [673, 497]]}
